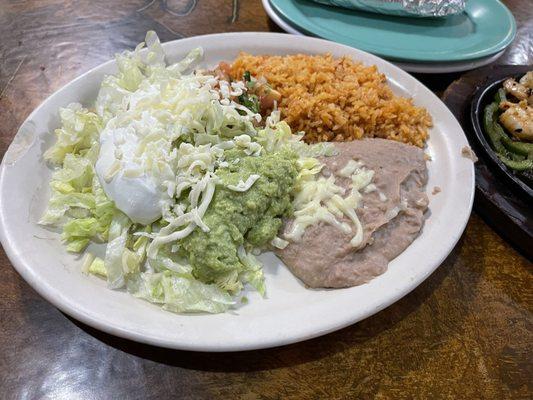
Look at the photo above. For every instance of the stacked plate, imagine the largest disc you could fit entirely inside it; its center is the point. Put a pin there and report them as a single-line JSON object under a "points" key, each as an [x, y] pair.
{"points": [[461, 42]]}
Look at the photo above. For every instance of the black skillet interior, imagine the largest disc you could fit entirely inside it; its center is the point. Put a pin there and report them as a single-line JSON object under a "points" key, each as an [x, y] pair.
{"points": [[484, 95]]}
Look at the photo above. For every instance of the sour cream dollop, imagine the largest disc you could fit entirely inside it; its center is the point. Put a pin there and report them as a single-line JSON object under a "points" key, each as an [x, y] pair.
{"points": [[134, 192]]}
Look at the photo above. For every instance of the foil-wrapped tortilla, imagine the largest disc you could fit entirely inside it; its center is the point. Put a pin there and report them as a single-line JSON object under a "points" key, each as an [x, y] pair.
{"points": [[403, 8]]}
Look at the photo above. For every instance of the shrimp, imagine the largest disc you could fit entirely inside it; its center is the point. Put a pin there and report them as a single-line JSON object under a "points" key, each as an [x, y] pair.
{"points": [[527, 80], [518, 119], [521, 90], [516, 89]]}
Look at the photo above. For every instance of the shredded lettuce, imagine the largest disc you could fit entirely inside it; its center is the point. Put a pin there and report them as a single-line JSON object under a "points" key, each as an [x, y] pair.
{"points": [[94, 265], [116, 246], [79, 131], [78, 203], [253, 272], [277, 135], [179, 293]]}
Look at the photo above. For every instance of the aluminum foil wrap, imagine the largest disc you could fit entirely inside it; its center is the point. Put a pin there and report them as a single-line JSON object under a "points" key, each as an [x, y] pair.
{"points": [[403, 8]]}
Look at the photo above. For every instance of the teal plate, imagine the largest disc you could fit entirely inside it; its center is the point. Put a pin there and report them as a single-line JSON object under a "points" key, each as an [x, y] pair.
{"points": [[486, 27]]}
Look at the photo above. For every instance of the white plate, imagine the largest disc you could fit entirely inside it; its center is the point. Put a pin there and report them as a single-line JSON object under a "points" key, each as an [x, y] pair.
{"points": [[426, 68], [291, 313]]}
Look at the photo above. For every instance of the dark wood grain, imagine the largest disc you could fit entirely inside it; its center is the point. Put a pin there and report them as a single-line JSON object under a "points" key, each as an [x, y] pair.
{"points": [[464, 333]]}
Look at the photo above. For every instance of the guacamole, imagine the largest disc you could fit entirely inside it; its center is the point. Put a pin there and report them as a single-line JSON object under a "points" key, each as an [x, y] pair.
{"points": [[252, 217]]}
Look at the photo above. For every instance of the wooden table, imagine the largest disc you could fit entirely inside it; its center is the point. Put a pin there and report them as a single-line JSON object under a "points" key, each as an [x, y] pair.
{"points": [[464, 333]]}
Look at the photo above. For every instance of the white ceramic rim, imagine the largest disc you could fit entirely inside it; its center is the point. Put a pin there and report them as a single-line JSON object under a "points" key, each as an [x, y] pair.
{"points": [[424, 68], [288, 330]]}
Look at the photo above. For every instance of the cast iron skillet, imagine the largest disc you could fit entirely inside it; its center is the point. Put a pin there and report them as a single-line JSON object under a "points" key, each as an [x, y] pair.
{"points": [[484, 95]]}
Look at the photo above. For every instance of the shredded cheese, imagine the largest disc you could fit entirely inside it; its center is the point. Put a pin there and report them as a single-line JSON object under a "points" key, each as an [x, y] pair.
{"points": [[320, 199], [244, 186], [279, 243], [350, 168]]}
